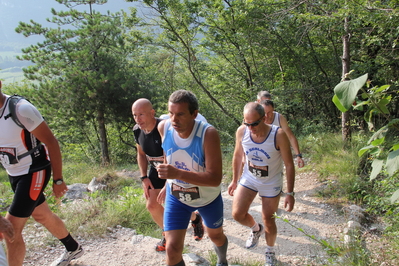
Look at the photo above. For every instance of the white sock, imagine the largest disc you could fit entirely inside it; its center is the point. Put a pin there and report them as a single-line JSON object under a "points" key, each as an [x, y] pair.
{"points": [[270, 249], [255, 228]]}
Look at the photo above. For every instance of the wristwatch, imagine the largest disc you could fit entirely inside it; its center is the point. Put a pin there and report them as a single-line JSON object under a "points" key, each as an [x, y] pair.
{"points": [[143, 177], [290, 193], [58, 181]]}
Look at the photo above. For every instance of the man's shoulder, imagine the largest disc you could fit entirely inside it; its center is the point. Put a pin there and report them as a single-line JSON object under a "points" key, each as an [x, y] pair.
{"points": [[136, 128], [241, 129]]}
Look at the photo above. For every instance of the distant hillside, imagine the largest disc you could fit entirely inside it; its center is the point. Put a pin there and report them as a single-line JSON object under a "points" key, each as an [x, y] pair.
{"points": [[14, 11]]}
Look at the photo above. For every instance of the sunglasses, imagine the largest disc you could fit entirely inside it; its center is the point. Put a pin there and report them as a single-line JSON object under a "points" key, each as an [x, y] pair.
{"points": [[254, 124]]}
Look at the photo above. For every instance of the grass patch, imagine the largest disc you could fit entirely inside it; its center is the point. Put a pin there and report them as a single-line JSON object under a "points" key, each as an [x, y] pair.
{"points": [[337, 165]]}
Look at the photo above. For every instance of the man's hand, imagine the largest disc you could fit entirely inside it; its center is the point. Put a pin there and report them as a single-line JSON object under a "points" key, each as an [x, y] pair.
{"points": [[6, 229], [59, 190], [232, 187], [167, 171], [289, 203], [300, 162]]}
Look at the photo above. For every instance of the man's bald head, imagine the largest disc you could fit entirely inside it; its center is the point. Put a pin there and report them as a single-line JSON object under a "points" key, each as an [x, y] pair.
{"points": [[254, 107], [144, 114], [142, 103]]}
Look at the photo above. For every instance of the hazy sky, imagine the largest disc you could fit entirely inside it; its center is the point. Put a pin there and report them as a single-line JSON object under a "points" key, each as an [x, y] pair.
{"points": [[14, 11]]}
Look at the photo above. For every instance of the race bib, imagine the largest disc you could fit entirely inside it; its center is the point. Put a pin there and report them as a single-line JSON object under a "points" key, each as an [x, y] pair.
{"points": [[8, 156], [258, 171], [185, 194], [155, 161]]}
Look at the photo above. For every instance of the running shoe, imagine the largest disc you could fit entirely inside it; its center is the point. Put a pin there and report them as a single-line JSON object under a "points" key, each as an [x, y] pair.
{"points": [[198, 228], [222, 264], [271, 259], [254, 238], [161, 245], [66, 258]]}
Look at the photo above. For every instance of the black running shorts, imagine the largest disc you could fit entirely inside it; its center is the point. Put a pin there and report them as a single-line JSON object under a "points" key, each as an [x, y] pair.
{"points": [[28, 191]]}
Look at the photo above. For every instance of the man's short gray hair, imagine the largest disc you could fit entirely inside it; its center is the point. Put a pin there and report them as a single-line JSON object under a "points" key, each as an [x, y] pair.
{"points": [[264, 94]]}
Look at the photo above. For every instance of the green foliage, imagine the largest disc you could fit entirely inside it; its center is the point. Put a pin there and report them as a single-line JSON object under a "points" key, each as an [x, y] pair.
{"points": [[338, 166], [122, 203], [347, 90], [382, 147], [87, 67], [6, 197]]}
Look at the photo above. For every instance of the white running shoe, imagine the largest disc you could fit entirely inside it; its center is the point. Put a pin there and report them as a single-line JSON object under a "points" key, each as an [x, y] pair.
{"points": [[254, 238], [270, 259], [66, 258]]}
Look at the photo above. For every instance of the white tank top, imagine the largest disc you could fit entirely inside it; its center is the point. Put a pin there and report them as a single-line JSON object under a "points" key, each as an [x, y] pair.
{"points": [[262, 160], [276, 119]]}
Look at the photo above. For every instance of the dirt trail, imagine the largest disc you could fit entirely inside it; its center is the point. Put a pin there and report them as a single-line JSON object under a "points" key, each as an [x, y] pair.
{"points": [[123, 247]]}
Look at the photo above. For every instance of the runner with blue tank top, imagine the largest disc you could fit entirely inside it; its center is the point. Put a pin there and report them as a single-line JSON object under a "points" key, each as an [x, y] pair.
{"points": [[149, 155], [193, 170]]}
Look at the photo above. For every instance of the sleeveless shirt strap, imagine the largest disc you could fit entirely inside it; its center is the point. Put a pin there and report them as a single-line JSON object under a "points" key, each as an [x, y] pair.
{"points": [[200, 128]]}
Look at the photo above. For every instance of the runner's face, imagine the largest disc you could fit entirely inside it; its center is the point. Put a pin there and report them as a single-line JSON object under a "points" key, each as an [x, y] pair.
{"points": [[180, 117], [253, 118], [268, 111], [143, 116]]}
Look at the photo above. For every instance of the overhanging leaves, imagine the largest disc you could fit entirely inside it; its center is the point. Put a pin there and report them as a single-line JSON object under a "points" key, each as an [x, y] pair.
{"points": [[338, 104], [392, 164], [346, 91], [377, 166], [395, 196]]}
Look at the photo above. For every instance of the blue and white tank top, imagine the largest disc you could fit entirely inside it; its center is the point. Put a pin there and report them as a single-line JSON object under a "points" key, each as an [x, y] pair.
{"points": [[262, 160], [189, 157]]}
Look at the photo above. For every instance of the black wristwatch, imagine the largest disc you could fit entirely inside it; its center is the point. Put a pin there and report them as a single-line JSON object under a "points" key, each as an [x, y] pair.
{"points": [[58, 181], [143, 177]]}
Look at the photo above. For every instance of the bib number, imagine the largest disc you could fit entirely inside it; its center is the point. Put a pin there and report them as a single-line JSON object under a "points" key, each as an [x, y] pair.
{"points": [[185, 194], [258, 171], [8, 156]]}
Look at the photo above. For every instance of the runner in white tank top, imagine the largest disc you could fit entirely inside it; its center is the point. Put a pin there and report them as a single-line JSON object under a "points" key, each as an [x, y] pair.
{"points": [[275, 118], [265, 147]]}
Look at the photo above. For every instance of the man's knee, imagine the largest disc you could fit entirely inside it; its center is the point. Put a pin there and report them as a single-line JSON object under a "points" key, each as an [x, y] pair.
{"points": [[44, 217], [153, 206], [239, 216], [217, 236]]}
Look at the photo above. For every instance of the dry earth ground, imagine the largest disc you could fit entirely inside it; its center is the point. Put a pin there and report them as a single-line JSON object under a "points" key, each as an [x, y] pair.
{"points": [[123, 247]]}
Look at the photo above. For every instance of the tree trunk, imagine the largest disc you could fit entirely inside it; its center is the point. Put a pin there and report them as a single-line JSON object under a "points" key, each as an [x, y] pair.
{"points": [[345, 120], [103, 138]]}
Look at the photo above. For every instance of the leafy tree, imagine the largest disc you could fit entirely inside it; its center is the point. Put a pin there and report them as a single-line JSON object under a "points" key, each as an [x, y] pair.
{"points": [[83, 72], [294, 49]]}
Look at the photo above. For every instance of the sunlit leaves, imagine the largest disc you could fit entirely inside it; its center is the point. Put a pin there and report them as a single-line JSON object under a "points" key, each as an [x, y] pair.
{"points": [[346, 91]]}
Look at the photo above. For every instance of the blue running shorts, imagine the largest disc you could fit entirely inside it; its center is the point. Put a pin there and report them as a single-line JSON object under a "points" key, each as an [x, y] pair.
{"points": [[177, 214]]}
